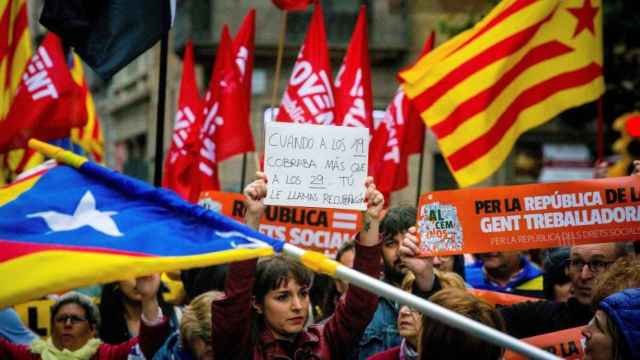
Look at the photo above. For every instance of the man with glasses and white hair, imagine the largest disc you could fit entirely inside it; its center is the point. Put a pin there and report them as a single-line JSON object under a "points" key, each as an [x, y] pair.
{"points": [[74, 324], [585, 264]]}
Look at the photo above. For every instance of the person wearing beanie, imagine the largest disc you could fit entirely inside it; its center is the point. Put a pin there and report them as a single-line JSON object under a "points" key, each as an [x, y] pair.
{"points": [[556, 283], [614, 331]]}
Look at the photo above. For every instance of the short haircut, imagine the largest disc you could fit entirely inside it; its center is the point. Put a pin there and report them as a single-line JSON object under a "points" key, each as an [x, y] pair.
{"points": [[348, 245], [196, 317], [273, 272], [91, 310], [397, 220], [440, 341], [623, 274]]}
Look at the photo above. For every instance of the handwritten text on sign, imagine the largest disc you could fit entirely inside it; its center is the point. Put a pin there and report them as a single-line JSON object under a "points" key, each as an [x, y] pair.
{"points": [[316, 165]]}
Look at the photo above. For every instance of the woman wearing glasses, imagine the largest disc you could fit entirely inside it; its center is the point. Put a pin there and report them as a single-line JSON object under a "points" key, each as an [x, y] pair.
{"points": [[74, 321]]}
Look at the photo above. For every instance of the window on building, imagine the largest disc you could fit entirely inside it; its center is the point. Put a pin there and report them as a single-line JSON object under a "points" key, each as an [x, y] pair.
{"points": [[340, 20]]}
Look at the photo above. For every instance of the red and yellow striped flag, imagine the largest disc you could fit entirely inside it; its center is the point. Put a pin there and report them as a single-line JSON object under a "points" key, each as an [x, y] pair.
{"points": [[523, 64], [15, 49]]}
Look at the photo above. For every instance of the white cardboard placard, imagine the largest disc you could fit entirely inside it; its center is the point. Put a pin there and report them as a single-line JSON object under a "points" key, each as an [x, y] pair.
{"points": [[316, 165]]}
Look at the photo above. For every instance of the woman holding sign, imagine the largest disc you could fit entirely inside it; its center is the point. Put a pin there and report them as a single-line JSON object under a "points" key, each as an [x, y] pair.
{"points": [[266, 307]]}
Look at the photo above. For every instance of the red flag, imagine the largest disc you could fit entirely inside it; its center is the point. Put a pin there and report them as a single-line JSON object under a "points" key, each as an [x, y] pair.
{"points": [[386, 146], [180, 157], [244, 50], [292, 5], [354, 102], [48, 103], [415, 131], [309, 96]]}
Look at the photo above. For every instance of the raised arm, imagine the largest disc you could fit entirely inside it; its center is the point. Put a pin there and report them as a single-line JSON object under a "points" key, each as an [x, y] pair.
{"points": [[356, 309]]}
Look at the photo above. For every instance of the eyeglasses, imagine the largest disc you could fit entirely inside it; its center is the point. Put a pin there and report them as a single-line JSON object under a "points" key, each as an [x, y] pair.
{"points": [[595, 266], [75, 319]]}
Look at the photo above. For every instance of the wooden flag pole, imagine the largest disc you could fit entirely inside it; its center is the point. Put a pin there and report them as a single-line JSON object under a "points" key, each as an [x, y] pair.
{"points": [[600, 131], [276, 79], [419, 185]]}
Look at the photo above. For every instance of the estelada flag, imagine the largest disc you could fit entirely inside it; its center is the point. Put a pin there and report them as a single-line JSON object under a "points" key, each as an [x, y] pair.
{"points": [[292, 5], [309, 95], [523, 64], [48, 103], [244, 49], [106, 226], [182, 153], [354, 101]]}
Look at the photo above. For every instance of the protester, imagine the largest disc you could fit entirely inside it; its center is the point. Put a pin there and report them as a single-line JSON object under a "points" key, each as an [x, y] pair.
{"points": [[12, 328], [507, 271], [269, 322], [193, 340], [440, 341], [614, 331], [410, 320], [382, 333], [74, 323], [556, 281], [453, 263], [122, 301], [586, 264]]}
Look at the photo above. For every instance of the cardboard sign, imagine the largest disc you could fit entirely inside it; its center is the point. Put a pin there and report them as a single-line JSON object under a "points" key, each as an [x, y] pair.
{"points": [[322, 230], [530, 216], [567, 344], [36, 315], [316, 165]]}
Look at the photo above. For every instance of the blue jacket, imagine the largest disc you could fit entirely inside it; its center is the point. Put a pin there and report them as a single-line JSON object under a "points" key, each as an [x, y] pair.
{"points": [[623, 308], [527, 282], [172, 349], [382, 332]]}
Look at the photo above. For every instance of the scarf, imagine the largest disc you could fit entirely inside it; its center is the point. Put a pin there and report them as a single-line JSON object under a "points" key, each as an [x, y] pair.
{"points": [[406, 351], [48, 351]]}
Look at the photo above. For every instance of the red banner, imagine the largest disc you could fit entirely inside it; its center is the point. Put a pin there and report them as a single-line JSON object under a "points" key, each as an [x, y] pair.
{"points": [[322, 230], [530, 216], [566, 344], [498, 298]]}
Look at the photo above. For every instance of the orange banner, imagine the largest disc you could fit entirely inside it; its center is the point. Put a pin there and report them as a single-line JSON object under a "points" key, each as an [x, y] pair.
{"points": [[530, 216], [498, 298], [567, 344], [322, 230]]}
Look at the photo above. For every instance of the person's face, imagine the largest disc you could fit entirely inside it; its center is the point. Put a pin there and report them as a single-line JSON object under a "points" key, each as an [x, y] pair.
{"points": [[583, 277], [128, 289], [201, 349], [443, 263], [393, 265], [599, 344], [409, 324], [501, 261], [347, 260], [71, 329], [286, 309]]}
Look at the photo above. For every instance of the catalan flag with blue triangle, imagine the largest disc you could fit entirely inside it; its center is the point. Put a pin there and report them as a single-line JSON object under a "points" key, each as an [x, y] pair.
{"points": [[78, 223]]}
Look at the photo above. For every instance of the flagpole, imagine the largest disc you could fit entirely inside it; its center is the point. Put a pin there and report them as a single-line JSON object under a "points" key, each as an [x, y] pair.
{"points": [[276, 78], [419, 185], [244, 171], [320, 263], [600, 130], [162, 84]]}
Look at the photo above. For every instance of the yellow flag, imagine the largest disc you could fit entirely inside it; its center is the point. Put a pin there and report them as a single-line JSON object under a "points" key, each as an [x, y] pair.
{"points": [[523, 64]]}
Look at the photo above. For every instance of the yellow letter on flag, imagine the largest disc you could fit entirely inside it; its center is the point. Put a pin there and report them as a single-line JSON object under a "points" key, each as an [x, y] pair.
{"points": [[523, 64]]}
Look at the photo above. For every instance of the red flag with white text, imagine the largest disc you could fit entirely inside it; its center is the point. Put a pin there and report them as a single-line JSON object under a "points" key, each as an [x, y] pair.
{"points": [[244, 50], [309, 95], [182, 151], [354, 101], [47, 103]]}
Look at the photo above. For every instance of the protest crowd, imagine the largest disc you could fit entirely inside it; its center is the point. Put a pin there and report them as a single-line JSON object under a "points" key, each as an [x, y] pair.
{"points": [[178, 278]]}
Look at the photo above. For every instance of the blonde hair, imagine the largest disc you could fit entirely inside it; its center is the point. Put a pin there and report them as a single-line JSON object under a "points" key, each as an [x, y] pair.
{"points": [[196, 317], [447, 279]]}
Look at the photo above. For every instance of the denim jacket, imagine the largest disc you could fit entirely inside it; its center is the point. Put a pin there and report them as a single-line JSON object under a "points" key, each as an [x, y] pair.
{"points": [[382, 332]]}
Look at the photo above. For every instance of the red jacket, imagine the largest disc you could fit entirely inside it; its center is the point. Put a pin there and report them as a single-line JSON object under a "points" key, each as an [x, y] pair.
{"points": [[151, 339], [333, 339], [391, 354]]}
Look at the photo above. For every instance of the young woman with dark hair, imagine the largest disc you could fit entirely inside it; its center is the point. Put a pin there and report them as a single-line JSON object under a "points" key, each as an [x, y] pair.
{"points": [[266, 307]]}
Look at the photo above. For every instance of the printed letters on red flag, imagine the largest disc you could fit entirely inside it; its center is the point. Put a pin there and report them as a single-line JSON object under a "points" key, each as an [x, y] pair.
{"points": [[354, 103], [244, 50], [292, 5], [182, 153], [48, 103], [309, 95]]}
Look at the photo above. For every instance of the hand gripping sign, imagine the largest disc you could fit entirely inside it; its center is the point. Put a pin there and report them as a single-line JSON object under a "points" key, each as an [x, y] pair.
{"points": [[530, 216]]}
